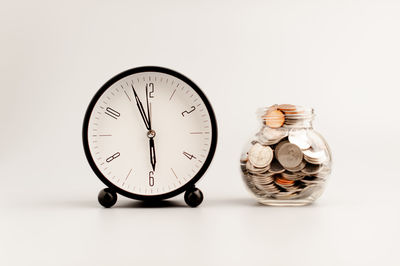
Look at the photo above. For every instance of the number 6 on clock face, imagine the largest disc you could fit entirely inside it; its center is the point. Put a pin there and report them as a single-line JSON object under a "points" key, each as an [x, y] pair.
{"points": [[149, 133]]}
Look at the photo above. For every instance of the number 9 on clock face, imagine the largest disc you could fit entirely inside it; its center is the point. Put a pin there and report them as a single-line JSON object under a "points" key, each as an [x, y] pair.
{"points": [[149, 133]]}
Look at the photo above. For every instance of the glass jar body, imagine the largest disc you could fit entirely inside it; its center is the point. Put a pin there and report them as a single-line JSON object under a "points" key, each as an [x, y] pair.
{"points": [[286, 163]]}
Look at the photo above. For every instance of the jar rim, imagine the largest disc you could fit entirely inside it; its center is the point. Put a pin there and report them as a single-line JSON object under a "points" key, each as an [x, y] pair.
{"points": [[286, 114]]}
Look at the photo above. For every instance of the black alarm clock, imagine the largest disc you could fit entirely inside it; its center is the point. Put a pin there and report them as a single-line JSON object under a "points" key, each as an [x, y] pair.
{"points": [[149, 134]]}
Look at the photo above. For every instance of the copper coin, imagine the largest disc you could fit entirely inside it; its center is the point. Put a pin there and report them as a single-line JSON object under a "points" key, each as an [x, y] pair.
{"points": [[287, 107], [284, 182], [274, 118]]}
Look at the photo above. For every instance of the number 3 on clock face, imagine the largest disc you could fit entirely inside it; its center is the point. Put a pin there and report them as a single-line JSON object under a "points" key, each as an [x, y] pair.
{"points": [[149, 133]]}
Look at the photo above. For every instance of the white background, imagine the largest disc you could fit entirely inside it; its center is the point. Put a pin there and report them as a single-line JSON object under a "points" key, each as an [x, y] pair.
{"points": [[340, 57]]}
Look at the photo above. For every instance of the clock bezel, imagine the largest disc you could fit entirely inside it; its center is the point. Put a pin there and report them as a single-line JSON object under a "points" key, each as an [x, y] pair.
{"points": [[172, 193]]}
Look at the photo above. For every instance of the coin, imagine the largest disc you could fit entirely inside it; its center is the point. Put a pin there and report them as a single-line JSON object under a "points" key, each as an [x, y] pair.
{"points": [[263, 180], [252, 169], [287, 107], [314, 156], [243, 158], [289, 155], [260, 156], [274, 133], [274, 118], [292, 176], [270, 136], [269, 189], [284, 195], [312, 180], [307, 191], [276, 167], [311, 169], [283, 182], [300, 138], [297, 168]]}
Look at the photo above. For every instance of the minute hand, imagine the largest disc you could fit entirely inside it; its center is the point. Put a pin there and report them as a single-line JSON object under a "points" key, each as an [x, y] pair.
{"points": [[141, 109], [151, 140]]}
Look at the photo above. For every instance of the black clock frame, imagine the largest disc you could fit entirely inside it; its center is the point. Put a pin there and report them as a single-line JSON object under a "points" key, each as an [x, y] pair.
{"points": [[189, 185]]}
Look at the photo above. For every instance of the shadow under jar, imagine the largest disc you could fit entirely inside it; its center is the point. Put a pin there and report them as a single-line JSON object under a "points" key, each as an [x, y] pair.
{"points": [[287, 163]]}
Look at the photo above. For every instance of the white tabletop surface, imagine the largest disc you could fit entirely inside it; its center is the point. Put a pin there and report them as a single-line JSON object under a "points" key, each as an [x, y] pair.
{"points": [[342, 58]]}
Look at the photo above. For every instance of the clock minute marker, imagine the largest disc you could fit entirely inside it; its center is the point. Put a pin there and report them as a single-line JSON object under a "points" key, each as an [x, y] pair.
{"points": [[174, 173], [127, 96], [126, 178], [172, 94]]}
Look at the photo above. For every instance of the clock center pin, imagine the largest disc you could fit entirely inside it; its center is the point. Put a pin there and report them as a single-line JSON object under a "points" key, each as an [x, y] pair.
{"points": [[151, 134]]}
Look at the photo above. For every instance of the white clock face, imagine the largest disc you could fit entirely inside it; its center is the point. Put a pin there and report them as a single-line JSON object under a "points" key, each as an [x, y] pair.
{"points": [[120, 138]]}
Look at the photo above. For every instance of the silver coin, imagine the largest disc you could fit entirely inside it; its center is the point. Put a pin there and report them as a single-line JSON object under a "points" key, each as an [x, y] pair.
{"points": [[243, 158], [307, 191], [276, 167], [313, 181], [300, 138], [263, 180], [312, 169], [314, 156], [284, 195], [252, 169], [289, 155], [260, 156], [292, 176], [270, 189], [274, 133], [298, 168]]}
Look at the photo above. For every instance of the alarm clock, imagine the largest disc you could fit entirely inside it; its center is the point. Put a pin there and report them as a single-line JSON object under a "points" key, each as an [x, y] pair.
{"points": [[149, 133]]}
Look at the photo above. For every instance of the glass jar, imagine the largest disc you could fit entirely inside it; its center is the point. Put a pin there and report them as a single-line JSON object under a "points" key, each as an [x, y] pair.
{"points": [[287, 163]]}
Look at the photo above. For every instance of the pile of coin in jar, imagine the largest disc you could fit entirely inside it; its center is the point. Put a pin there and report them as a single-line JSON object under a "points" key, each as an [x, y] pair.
{"points": [[287, 159]]}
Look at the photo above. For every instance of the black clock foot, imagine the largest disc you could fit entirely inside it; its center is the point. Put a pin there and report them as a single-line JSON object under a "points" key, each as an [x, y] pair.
{"points": [[107, 197], [193, 197]]}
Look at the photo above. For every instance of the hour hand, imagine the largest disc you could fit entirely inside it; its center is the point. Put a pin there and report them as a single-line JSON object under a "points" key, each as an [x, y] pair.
{"points": [[152, 154], [141, 109]]}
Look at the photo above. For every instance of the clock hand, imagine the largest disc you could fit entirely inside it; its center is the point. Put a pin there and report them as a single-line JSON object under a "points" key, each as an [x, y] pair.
{"points": [[148, 111], [151, 134], [152, 154], [141, 109]]}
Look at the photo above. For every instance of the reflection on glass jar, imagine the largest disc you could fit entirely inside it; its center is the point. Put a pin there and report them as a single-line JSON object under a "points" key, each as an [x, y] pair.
{"points": [[287, 163]]}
